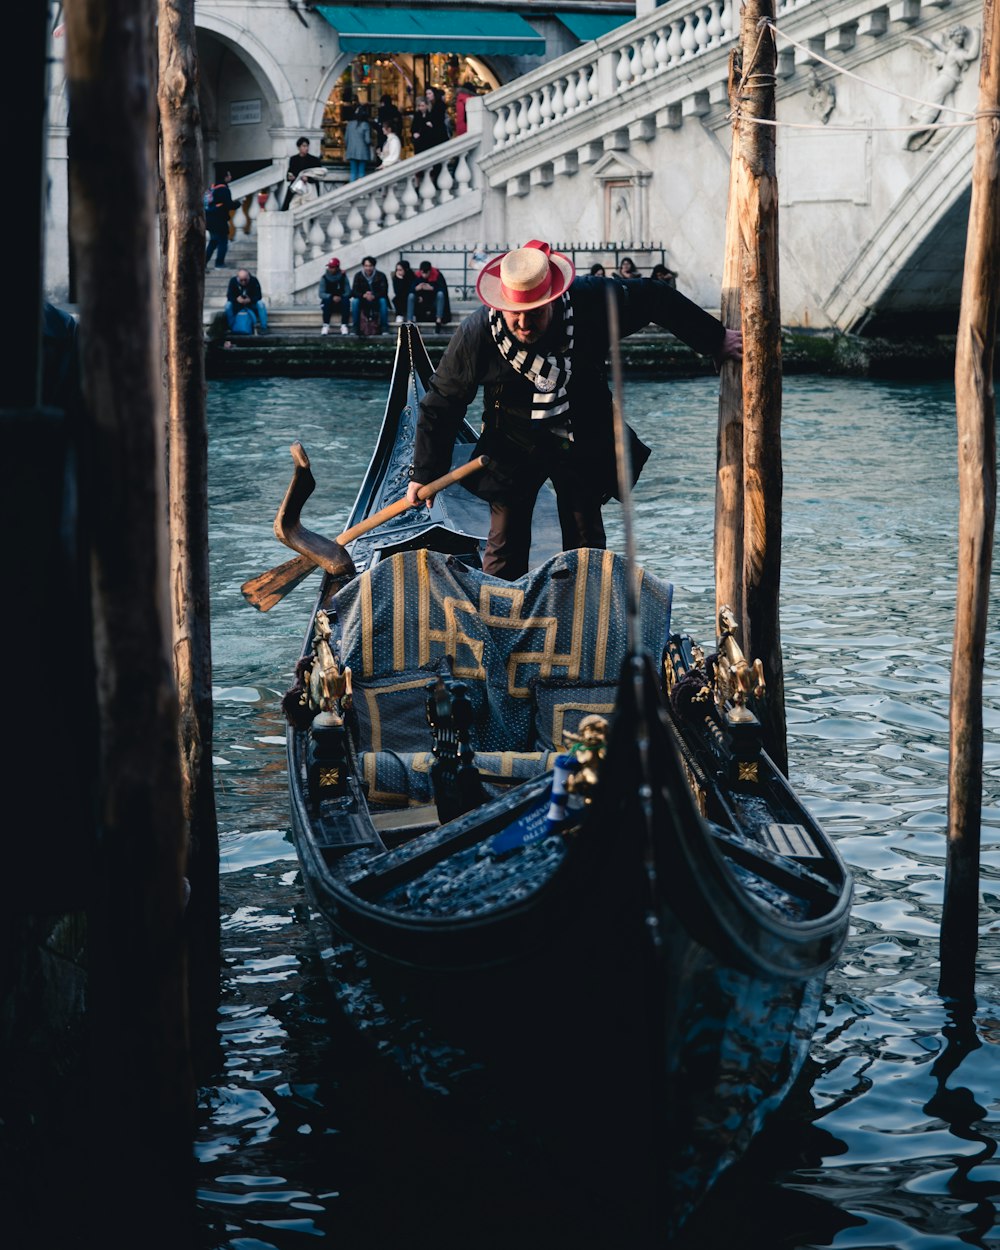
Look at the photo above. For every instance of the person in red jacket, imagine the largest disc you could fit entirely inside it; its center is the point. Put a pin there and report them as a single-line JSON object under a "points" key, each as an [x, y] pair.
{"points": [[462, 97], [428, 297]]}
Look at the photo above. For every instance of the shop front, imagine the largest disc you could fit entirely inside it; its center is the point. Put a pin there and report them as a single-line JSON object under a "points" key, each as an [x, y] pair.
{"points": [[399, 53]]}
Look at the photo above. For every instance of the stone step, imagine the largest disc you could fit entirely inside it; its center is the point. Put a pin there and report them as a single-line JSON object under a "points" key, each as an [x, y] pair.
{"points": [[294, 353], [305, 317]]}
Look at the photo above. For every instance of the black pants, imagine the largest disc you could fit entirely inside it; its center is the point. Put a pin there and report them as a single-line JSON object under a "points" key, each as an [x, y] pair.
{"points": [[577, 499]]}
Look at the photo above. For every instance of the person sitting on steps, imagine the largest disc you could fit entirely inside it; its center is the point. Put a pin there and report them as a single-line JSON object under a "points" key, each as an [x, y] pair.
{"points": [[335, 296], [403, 279], [244, 295], [429, 297], [371, 290]]}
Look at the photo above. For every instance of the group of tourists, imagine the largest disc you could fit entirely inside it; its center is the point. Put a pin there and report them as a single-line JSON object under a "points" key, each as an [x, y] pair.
{"points": [[378, 142], [627, 269], [419, 294]]}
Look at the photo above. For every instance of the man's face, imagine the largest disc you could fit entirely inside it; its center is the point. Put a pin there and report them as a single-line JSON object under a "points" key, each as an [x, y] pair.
{"points": [[368, 267], [529, 326], [243, 276], [303, 149]]}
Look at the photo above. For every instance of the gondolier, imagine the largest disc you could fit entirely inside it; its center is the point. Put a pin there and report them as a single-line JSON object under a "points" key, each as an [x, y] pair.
{"points": [[539, 349]]}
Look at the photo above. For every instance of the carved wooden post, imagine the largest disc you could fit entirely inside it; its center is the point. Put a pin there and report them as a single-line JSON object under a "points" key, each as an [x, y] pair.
{"points": [[757, 211], [729, 441], [976, 415], [182, 239], [137, 994]]}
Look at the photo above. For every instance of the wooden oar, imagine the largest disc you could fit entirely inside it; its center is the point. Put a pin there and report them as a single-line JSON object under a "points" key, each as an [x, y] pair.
{"points": [[267, 589]]}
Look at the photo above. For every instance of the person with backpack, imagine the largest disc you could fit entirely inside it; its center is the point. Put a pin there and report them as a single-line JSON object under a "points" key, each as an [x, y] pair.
{"points": [[246, 311], [218, 207]]}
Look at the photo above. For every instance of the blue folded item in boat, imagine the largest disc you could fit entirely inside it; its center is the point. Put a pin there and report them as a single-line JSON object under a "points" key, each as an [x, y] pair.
{"points": [[531, 827]]}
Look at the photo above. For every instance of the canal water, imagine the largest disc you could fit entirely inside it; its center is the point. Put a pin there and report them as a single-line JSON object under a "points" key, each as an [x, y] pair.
{"points": [[891, 1139]]}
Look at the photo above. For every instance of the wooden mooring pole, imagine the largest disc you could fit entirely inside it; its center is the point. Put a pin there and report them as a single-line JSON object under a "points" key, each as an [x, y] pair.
{"points": [[141, 1118], [976, 417], [182, 243], [752, 235], [729, 444]]}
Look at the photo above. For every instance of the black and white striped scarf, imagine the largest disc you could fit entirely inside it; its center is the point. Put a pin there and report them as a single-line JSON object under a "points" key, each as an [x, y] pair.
{"points": [[548, 374]]}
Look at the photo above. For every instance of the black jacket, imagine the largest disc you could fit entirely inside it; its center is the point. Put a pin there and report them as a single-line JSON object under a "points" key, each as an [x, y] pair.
{"points": [[235, 289], [401, 288], [220, 204], [426, 306], [423, 132], [379, 285], [509, 434]]}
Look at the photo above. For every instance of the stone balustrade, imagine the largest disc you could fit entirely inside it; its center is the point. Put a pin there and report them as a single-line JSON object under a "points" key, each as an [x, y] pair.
{"points": [[673, 35], [374, 214], [676, 37], [361, 209], [652, 74]]}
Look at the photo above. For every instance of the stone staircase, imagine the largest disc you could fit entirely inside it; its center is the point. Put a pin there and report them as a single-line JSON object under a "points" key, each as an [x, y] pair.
{"points": [[291, 319]]}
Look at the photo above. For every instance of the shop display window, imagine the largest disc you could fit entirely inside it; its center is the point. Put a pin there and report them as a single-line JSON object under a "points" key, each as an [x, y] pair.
{"points": [[402, 77]]}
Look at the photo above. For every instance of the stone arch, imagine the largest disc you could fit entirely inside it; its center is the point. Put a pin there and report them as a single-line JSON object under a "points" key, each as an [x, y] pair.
{"points": [[255, 55], [916, 247]]}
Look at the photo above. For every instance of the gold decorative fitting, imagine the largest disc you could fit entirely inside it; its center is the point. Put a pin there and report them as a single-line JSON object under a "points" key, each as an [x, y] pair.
{"points": [[735, 678], [589, 748], [329, 777], [747, 771], [330, 688]]}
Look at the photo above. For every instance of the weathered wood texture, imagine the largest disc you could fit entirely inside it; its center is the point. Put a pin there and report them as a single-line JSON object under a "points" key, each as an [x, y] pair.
{"points": [[976, 417], [182, 243], [757, 213], [729, 441], [141, 1120]]}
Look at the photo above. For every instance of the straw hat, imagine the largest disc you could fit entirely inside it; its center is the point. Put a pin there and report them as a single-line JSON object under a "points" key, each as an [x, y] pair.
{"points": [[525, 278]]}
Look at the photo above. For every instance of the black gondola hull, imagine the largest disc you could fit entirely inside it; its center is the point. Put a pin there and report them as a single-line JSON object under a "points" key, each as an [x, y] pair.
{"points": [[630, 999]]}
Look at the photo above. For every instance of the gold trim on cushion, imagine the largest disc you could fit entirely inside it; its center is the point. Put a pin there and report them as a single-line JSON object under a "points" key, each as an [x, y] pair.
{"points": [[399, 615], [559, 715]]}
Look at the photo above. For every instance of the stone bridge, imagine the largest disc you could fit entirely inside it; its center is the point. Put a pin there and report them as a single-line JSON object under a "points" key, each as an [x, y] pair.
{"points": [[873, 199], [623, 143]]}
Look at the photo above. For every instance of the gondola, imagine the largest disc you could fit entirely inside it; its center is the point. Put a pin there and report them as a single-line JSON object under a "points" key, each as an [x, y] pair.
{"points": [[564, 884]]}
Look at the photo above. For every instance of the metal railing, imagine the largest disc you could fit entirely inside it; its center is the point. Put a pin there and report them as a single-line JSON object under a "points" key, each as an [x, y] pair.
{"points": [[460, 265]]}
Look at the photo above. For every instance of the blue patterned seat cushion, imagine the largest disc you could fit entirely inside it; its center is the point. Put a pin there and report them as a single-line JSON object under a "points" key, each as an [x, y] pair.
{"points": [[561, 705], [401, 779], [518, 645]]}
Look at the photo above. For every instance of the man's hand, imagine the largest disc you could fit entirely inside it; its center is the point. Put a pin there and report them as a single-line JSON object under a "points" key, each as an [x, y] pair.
{"points": [[731, 348], [413, 496]]}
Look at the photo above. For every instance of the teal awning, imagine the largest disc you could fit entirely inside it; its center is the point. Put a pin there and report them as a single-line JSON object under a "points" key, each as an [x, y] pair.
{"points": [[475, 33], [587, 26]]}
